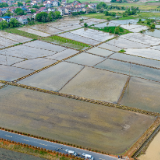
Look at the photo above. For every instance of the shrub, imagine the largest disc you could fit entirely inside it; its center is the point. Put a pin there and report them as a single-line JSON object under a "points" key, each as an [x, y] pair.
{"points": [[152, 26], [85, 25]]}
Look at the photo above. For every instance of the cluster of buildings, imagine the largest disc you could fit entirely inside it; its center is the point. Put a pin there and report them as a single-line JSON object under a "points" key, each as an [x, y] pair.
{"points": [[43, 6]]}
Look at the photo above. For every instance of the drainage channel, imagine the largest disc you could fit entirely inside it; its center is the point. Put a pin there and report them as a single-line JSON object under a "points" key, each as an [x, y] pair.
{"points": [[146, 142]]}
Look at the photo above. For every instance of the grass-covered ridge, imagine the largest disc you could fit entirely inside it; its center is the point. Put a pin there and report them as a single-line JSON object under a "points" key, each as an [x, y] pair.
{"points": [[66, 42], [115, 30]]}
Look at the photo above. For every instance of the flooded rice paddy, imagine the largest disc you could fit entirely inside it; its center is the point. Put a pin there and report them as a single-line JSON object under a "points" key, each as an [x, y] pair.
{"points": [[9, 73], [14, 37], [153, 33], [110, 47], [9, 60], [86, 59], [4, 42], [79, 38], [146, 53], [105, 128], [100, 52], [130, 69], [33, 31], [45, 45], [142, 38], [53, 78], [63, 54], [96, 84], [134, 28], [93, 34], [23, 51], [135, 59], [49, 116], [125, 43], [35, 64], [142, 94]]}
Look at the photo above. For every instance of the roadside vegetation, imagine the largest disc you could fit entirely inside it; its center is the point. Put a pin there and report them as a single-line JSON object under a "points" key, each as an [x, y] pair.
{"points": [[32, 151], [22, 33], [66, 42]]}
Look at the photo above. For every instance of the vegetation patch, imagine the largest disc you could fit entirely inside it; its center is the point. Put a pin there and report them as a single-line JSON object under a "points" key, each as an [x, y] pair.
{"points": [[10, 149], [115, 30], [66, 42], [22, 33], [122, 51]]}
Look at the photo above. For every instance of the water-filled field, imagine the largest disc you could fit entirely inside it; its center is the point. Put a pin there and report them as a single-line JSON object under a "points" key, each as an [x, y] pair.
{"points": [[86, 59], [110, 47], [53, 78], [46, 46], [100, 52], [9, 73], [150, 53], [130, 69], [9, 60], [125, 43], [14, 37], [63, 54], [33, 31], [23, 51], [35, 64], [142, 94], [79, 38], [142, 38], [153, 33], [93, 34], [136, 59], [107, 129], [96, 84]]}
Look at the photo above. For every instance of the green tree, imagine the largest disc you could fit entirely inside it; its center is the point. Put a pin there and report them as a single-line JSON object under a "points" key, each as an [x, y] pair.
{"points": [[3, 5], [19, 11], [3, 24], [8, 13], [42, 17], [20, 4], [35, 6], [13, 23], [33, 11]]}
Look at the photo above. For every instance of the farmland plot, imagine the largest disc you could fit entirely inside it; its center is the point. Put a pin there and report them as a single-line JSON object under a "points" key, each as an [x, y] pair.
{"points": [[9, 73], [53, 78], [142, 94], [96, 84], [141, 38], [86, 59], [32, 31], [79, 38], [100, 51], [93, 34], [108, 129], [35, 64]]}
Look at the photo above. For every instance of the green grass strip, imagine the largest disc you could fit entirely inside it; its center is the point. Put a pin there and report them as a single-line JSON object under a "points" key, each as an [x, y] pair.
{"points": [[66, 42]]}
